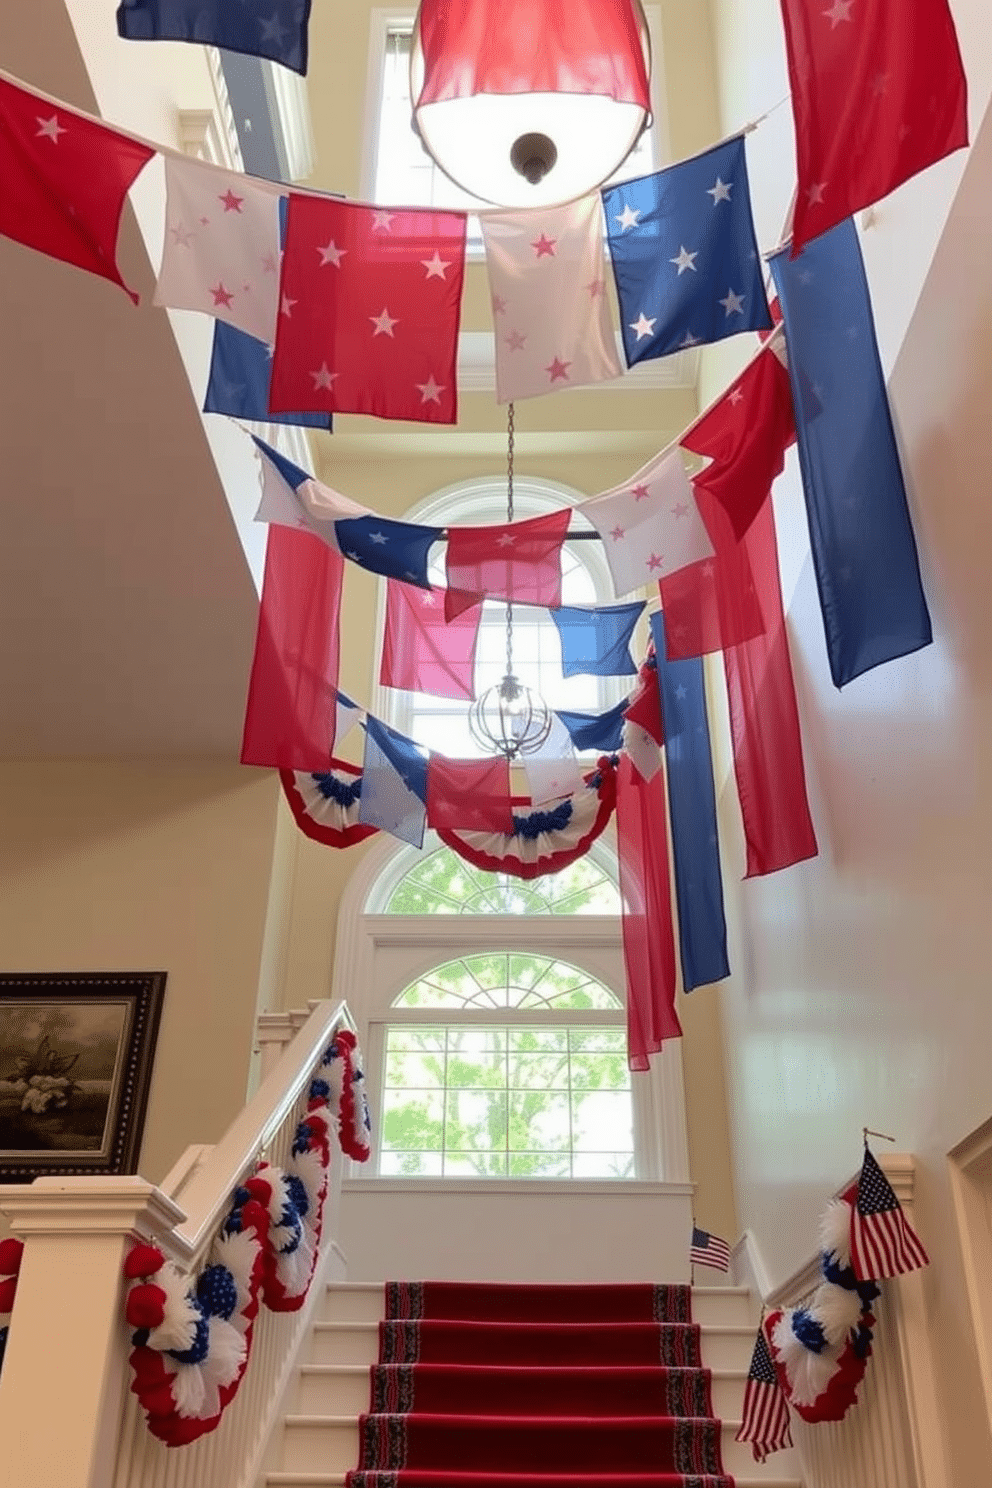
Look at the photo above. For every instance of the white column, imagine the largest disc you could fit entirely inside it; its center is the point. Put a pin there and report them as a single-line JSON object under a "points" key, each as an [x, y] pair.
{"points": [[64, 1372]]}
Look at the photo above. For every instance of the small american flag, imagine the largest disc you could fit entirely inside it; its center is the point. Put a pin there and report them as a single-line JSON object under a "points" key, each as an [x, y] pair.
{"points": [[883, 1242], [709, 1250], [765, 1421]]}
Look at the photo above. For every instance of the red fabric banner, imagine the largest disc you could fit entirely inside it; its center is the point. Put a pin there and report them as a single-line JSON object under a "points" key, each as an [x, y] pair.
{"points": [[469, 795], [518, 560], [711, 605], [764, 723], [422, 650], [65, 178], [532, 46], [878, 94], [370, 303], [648, 937], [746, 435], [292, 693], [644, 708]]}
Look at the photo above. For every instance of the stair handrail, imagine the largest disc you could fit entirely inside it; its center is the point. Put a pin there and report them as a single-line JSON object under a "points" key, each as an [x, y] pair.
{"points": [[206, 1195]]}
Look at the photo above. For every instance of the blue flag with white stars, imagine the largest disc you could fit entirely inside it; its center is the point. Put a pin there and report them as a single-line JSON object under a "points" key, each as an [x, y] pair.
{"points": [[397, 550], [692, 809], [274, 29], [685, 258], [596, 643], [861, 535], [394, 784], [240, 373]]}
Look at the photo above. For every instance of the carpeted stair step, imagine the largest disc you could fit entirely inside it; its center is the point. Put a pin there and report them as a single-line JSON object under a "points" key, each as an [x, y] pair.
{"points": [[526, 1390], [480, 1302], [344, 1388], [437, 1341], [540, 1444], [281, 1479]]}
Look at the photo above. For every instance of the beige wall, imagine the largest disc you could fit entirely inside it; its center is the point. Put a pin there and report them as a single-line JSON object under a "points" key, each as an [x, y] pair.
{"points": [[860, 996], [149, 867]]}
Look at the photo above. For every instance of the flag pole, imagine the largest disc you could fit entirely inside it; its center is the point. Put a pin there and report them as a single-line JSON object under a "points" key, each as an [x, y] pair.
{"points": [[867, 1132]]}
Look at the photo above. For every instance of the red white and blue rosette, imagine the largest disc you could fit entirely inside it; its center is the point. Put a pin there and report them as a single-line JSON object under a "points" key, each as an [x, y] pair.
{"points": [[325, 806]]}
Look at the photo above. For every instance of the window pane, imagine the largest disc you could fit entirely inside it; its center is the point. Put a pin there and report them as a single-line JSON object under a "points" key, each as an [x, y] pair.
{"points": [[498, 980], [543, 1101], [418, 1040], [441, 883], [413, 1120], [410, 1165]]}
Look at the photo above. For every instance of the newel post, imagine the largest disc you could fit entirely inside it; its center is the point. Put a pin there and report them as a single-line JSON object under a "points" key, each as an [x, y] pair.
{"points": [[65, 1369]]}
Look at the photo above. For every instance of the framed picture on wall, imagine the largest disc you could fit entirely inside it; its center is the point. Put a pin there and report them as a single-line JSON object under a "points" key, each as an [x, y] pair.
{"points": [[76, 1055]]}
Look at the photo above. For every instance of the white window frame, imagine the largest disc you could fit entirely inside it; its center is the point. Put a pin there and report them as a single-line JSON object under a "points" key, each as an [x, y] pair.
{"points": [[377, 955]]}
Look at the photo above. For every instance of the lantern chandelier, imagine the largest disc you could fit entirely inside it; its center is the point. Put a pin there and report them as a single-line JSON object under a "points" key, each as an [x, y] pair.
{"points": [[509, 718], [529, 103]]}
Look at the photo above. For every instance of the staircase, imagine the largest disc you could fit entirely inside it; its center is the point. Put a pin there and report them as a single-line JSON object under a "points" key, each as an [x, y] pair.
{"points": [[319, 1442]]}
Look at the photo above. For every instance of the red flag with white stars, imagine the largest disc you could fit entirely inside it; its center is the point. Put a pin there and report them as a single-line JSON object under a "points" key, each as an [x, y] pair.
{"points": [[421, 650], [469, 795], [64, 179], [221, 249], [520, 561], [878, 94], [550, 311], [370, 302]]}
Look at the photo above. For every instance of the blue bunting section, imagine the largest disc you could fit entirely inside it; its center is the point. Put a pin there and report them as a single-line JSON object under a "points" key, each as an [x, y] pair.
{"points": [[326, 808]]}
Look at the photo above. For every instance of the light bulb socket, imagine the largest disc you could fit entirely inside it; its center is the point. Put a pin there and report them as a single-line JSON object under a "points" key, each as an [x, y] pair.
{"points": [[533, 156]]}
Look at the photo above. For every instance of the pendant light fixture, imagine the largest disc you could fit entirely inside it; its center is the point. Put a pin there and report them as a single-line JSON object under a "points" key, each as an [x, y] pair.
{"points": [[509, 718], [529, 103]]}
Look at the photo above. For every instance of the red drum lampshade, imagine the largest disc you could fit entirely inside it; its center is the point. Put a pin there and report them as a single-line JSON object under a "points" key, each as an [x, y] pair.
{"points": [[530, 102]]}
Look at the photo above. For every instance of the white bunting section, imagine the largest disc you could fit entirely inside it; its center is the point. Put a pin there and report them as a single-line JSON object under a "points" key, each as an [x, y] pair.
{"points": [[550, 311]]}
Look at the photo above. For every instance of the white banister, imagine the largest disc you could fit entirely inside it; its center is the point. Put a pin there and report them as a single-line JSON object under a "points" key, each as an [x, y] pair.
{"points": [[66, 1414]]}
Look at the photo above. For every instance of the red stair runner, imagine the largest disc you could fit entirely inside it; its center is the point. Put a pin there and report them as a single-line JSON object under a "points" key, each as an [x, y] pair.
{"points": [[487, 1386]]}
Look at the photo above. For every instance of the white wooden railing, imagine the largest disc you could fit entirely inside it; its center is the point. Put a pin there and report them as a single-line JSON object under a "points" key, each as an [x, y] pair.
{"points": [[67, 1418]]}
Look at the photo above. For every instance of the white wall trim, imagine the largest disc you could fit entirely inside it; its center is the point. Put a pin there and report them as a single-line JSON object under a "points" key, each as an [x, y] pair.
{"points": [[608, 1188]]}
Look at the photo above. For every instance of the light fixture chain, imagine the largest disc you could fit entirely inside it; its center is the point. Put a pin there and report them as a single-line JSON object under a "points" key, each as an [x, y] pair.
{"points": [[509, 518]]}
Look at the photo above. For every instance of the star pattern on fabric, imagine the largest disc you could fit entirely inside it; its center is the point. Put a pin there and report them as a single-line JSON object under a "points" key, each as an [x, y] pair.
{"points": [[688, 340], [50, 129], [685, 260], [379, 538], [838, 12], [640, 493], [733, 304], [735, 396], [720, 190], [330, 253], [221, 296], [430, 391], [681, 693], [181, 236], [544, 247], [505, 540], [428, 600], [499, 304], [437, 267], [655, 561], [383, 323], [643, 326], [617, 533], [231, 202], [680, 510], [629, 217], [516, 341], [558, 370], [269, 264], [382, 221], [814, 193], [286, 306], [595, 288], [272, 30], [323, 379]]}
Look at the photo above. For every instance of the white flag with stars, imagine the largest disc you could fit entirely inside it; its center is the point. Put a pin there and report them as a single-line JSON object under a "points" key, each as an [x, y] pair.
{"points": [[650, 526], [550, 310], [221, 250]]}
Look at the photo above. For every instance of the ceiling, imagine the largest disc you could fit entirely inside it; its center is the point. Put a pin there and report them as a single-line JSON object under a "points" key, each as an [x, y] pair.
{"points": [[126, 602]]}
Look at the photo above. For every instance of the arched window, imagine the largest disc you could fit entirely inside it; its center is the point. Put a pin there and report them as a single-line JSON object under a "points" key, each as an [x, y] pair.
{"points": [[442, 723], [493, 1022]]}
